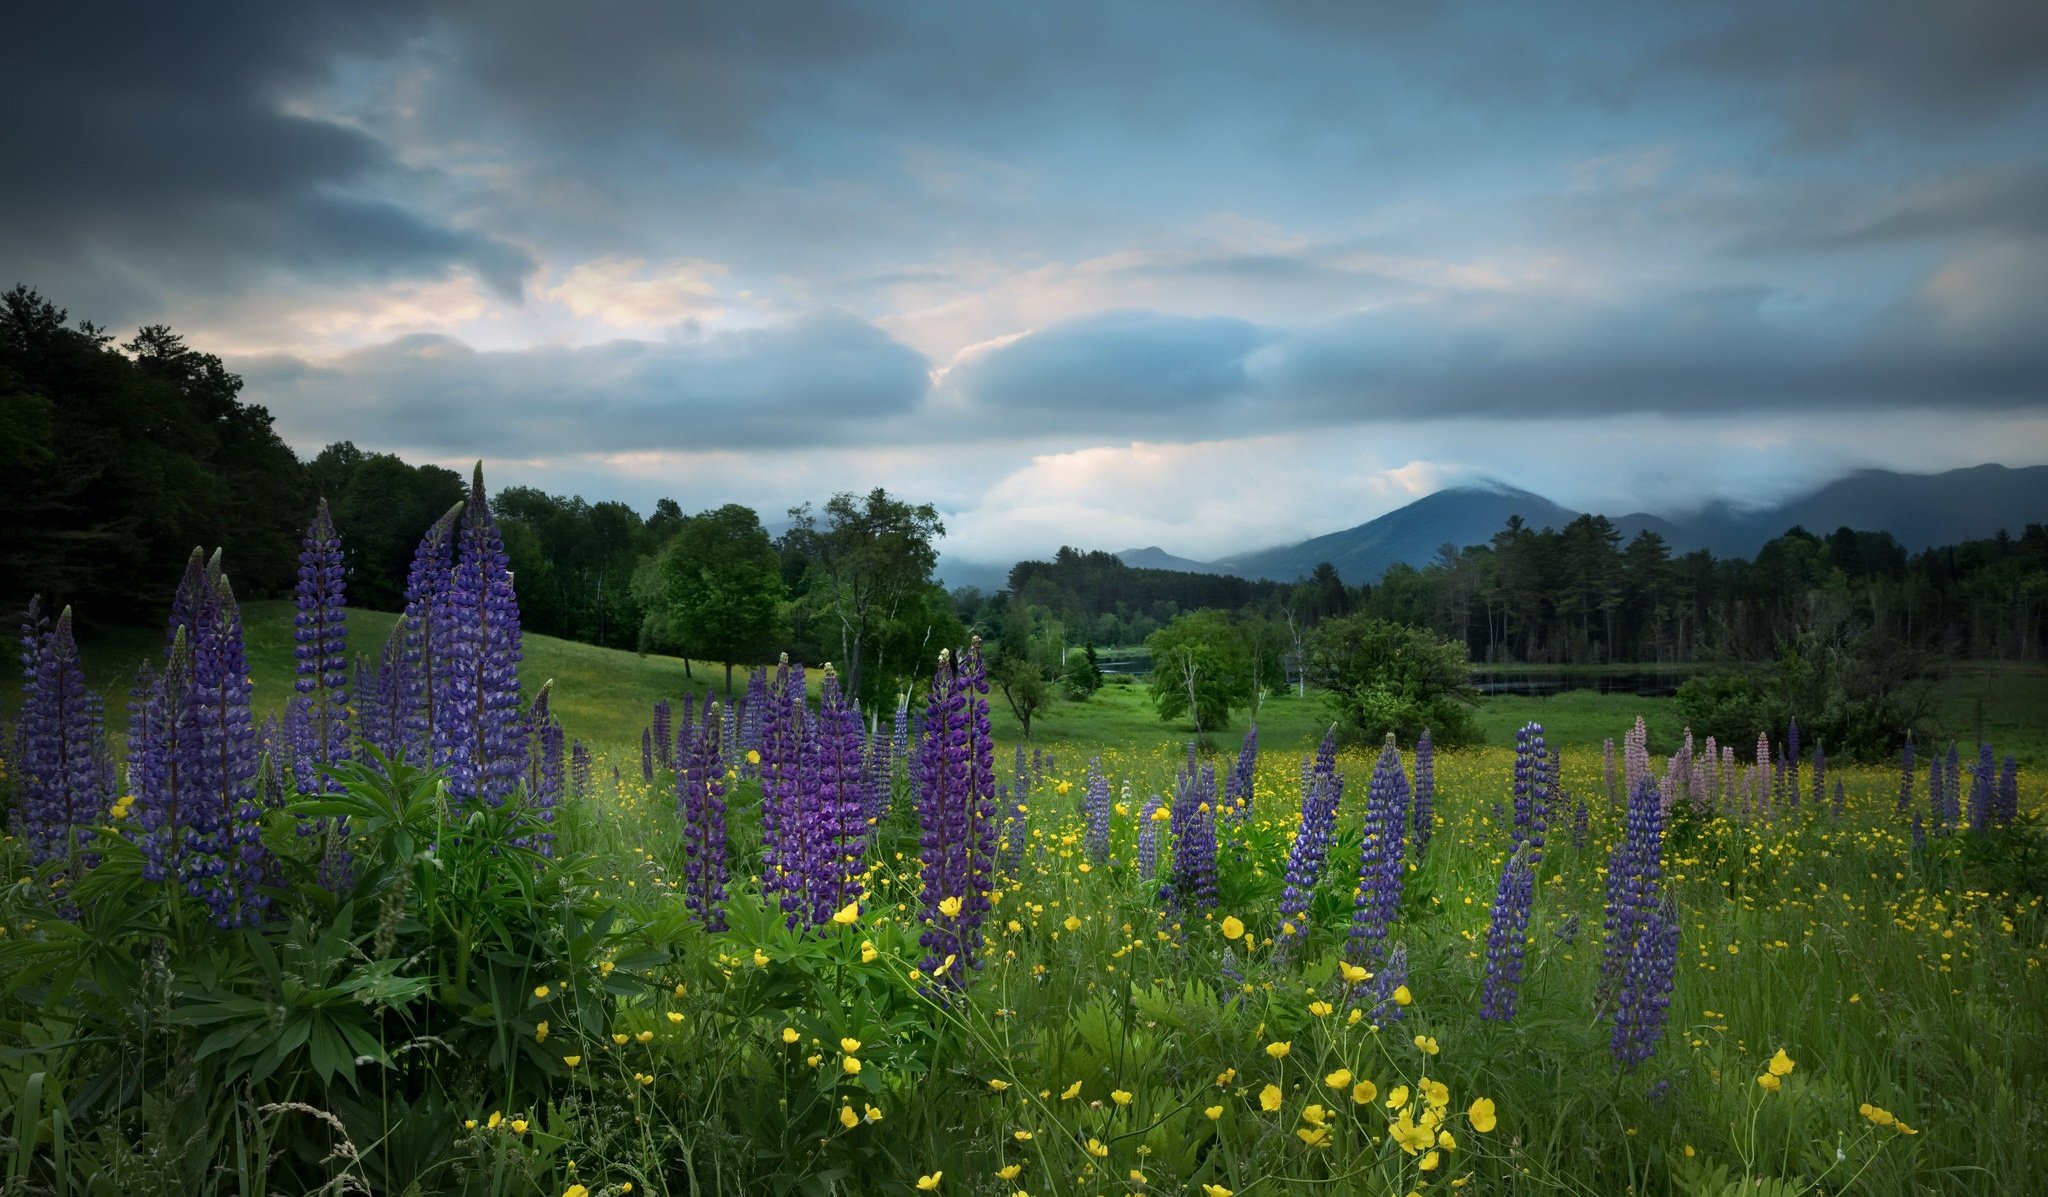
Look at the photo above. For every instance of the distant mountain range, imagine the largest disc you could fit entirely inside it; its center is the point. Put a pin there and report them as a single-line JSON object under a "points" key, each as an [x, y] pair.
{"points": [[1922, 510]]}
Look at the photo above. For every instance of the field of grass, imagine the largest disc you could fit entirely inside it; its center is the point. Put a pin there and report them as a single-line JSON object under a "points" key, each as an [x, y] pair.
{"points": [[533, 1028], [603, 696]]}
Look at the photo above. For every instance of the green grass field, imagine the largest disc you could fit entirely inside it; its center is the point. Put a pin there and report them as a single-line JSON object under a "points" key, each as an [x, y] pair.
{"points": [[525, 1029], [604, 696]]}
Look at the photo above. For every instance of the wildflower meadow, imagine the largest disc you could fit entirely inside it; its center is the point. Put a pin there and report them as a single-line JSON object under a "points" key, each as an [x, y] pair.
{"points": [[409, 935]]}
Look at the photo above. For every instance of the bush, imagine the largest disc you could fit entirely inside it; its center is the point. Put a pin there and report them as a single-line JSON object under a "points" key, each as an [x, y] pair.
{"points": [[1383, 678]]}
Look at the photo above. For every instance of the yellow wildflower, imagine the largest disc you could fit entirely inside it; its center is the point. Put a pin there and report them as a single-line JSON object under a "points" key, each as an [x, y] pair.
{"points": [[1269, 1098], [1481, 1114]]}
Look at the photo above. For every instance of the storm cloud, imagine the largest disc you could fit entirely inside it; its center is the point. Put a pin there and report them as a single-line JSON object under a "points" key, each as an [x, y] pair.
{"points": [[717, 250]]}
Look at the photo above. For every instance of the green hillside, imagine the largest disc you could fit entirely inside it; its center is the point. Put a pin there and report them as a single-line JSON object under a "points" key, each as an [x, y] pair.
{"points": [[603, 696]]}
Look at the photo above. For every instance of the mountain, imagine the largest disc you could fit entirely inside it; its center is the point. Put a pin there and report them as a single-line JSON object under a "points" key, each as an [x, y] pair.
{"points": [[1921, 510], [1154, 557], [1460, 516]]}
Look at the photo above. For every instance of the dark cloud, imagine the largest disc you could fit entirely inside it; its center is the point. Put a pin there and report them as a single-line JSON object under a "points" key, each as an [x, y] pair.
{"points": [[825, 379], [2003, 200], [154, 147], [1723, 350], [1720, 350], [1837, 72], [1123, 368]]}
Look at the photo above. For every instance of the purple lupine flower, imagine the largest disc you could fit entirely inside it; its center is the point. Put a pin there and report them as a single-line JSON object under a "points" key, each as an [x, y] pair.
{"points": [[646, 754], [1634, 871], [1096, 841], [1191, 883], [1919, 833], [543, 773], [1237, 791], [61, 790], [480, 738], [1647, 978], [320, 652], [1323, 790], [1425, 793], [1545, 791], [2008, 807], [956, 814], [1506, 934], [1530, 785], [1906, 775], [1952, 788], [1014, 804], [1937, 805], [1792, 760], [422, 659], [1983, 791], [1820, 773], [1391, 976], [1765, 787], [879, 778], [1232, 977], [579, 769], [1579, 822], [226, 863], [373, 716], [1382, 859], [783, 795], [700, 799], [1730, 778], [158, 729], [1148, 837], [899, 735], [664, 747], [1841, 799], [749, 720], [1635, 758], [836, 804]]}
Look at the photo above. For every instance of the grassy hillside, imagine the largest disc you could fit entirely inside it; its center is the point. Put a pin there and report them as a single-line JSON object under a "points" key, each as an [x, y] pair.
{"points": [[602, 695]]}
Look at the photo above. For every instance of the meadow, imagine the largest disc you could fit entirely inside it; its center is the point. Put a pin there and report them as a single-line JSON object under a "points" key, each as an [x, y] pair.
{"points": [[1160, 990]]}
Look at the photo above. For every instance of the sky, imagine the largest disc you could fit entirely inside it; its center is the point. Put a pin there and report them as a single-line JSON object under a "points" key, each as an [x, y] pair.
{"points": [[1210, 276]]}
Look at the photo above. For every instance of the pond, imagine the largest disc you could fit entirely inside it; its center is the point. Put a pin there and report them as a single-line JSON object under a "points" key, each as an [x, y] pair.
{"points": [[1649, 683]]}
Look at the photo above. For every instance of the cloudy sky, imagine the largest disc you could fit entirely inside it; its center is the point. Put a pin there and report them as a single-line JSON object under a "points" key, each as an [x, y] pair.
{"points": [[1205, 275]]}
